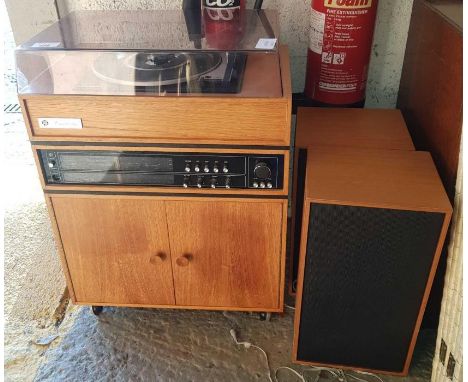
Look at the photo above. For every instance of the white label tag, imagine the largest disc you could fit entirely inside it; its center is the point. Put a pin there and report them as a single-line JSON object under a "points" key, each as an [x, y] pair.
{"points": [[46, 45], [266, 43], [60, 123], [317, 29]]}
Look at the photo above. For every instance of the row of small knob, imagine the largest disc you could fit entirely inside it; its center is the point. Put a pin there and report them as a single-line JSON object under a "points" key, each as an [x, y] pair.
{"points": [[206, 168], [213, 182], [262, 185]]}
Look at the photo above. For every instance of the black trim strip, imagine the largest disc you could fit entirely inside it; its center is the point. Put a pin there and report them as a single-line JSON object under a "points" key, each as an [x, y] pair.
{"points": [[173, 145], [230, 196]]}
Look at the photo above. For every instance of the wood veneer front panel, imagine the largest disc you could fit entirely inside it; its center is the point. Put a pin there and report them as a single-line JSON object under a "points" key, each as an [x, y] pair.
{"points": [[165, 119], [117, 250], [235, 252]]}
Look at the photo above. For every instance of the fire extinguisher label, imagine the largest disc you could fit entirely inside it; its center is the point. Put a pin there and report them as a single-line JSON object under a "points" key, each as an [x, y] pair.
{"points": [[340, 45], [317, 27], [350, 4]]}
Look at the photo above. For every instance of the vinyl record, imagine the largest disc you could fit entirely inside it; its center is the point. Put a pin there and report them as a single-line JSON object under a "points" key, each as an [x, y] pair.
{"points": [[154, 69]]}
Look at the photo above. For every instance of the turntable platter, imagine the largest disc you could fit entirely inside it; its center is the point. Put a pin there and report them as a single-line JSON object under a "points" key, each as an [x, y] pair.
{"points": [[154, 69]]}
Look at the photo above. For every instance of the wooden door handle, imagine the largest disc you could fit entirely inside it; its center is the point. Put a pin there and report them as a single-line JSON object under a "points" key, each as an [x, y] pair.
{"points": [[184, 260], [158, 258]]}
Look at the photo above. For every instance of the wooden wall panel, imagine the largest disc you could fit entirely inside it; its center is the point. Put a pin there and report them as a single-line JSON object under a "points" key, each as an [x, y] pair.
{"points": [[431, 86], [431, 100]]}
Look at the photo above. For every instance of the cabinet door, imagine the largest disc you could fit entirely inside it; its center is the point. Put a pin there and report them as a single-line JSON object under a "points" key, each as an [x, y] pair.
{"points": [[117, 250], [226, 254]]}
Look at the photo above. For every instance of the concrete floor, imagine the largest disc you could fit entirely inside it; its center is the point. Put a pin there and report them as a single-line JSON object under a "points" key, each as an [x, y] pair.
{"points": [[46, 340], [166, 345]]}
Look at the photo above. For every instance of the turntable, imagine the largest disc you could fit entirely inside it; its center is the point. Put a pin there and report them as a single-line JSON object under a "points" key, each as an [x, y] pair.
{"points": [[170, 76]]}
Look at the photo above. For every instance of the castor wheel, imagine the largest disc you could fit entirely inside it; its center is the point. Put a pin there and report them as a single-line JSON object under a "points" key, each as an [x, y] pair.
{"points": [[265, 316], [97, 310]]}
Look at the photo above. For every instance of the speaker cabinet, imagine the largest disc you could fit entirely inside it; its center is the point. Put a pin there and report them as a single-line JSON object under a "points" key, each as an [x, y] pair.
{"points": [[374, 223], [358, 128]]}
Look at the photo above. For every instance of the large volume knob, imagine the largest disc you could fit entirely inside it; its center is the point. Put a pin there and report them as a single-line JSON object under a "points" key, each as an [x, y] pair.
{"points": [[262, 171]]}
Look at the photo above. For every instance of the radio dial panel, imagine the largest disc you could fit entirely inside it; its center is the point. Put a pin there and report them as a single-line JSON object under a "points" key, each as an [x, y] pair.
{"points": [[185, 170]]}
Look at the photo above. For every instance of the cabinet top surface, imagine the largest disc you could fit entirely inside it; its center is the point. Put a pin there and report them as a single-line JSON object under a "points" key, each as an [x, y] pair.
{"points": [[375, 178], [363, 128]]}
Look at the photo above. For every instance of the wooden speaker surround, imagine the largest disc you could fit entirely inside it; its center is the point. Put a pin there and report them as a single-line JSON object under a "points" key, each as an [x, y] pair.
{"points": [[373, 227]]}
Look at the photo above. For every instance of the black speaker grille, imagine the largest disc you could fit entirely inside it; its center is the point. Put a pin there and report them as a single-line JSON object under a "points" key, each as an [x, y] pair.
{"points": [[365, 274]]}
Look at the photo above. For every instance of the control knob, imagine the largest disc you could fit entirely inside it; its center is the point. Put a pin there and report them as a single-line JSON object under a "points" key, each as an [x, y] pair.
{"points": [[228, 183], [225, 169], [197, 168], [52, 163], [199, 182], [213, 183], [206, 168], [186, 182], [187, 168], [215, 169], [262, 171]]}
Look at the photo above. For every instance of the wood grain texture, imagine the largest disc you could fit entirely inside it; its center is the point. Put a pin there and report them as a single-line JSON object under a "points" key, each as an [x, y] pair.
{"points": [[272, 253], [117, 251], [372, 178], [60, 249], [194, 120], [234, 250], [431, 86], [406, 180]]}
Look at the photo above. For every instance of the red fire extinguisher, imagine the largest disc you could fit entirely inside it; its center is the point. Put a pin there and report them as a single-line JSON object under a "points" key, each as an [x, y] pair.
{"points": [[339, 51]]}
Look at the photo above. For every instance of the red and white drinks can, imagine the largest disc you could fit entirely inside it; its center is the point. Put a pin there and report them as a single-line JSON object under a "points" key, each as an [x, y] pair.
{"points": [[224, 23]]}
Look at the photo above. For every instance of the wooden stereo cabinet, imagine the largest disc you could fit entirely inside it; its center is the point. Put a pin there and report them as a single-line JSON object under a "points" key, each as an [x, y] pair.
{"points": [[171, 247]]}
